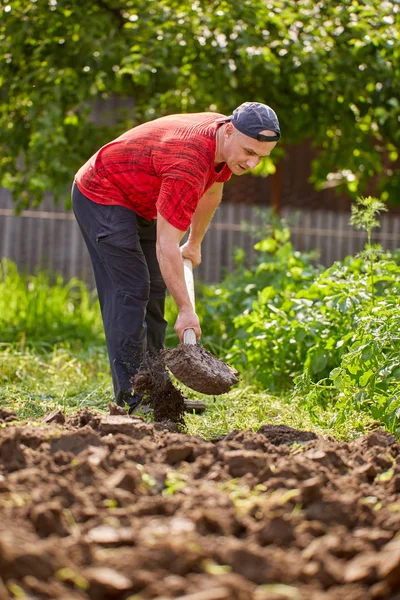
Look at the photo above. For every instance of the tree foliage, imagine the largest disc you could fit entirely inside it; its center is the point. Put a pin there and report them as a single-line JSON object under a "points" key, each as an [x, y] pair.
{"points": [[330, 69]]}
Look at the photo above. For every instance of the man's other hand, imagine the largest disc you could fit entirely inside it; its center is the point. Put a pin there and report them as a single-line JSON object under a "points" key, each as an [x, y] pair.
{"points": [[187, 320], [193, 251]]}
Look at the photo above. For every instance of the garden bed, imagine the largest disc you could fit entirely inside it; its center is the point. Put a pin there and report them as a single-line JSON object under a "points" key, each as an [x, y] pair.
{"points": [[108, 506]]}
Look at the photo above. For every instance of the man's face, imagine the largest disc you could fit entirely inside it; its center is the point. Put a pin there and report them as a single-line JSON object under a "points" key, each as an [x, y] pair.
{"points": [[242, 152]]}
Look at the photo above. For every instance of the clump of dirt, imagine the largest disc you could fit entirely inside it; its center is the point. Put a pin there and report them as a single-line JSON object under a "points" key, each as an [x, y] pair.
{"points": [[160, 394], [199, 370], [283, 434], [7, 415], [107, 506]]}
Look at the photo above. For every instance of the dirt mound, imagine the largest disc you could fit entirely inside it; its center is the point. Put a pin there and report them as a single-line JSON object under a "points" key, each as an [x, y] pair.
{"points": [[109, 507], [282, 434]]}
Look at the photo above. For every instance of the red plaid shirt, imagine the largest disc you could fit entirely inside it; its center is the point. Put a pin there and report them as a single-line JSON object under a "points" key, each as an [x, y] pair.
{"points": [[164, 165]]}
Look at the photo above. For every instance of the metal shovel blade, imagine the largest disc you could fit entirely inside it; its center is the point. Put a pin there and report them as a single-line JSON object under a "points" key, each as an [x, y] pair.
{"points": [[199, 370]]}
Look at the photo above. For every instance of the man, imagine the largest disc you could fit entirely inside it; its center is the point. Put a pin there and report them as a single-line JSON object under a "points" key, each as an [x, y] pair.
{"points": [[135, 199]]}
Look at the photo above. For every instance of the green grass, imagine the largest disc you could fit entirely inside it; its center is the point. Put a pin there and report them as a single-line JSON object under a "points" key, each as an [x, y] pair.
{"points": [[246, 408], [43, 308], [37, 378]]}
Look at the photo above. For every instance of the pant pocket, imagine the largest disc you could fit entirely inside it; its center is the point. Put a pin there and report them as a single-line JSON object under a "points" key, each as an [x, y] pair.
{"points": [[126, 239]]}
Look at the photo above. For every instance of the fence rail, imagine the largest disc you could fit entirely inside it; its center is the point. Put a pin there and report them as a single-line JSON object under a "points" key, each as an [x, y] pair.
{"points": [[50, 238]]}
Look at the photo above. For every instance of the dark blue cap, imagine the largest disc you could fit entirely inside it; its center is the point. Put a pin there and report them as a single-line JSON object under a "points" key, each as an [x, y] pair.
{"points": [[252, 117]]}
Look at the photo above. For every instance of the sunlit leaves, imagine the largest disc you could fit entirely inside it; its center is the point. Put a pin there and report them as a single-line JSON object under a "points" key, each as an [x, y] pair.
{"points": [[331, 70], [365, 213]]}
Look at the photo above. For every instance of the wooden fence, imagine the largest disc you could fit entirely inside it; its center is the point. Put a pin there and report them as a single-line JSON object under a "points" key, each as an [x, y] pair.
{"points": [[49, 238]]}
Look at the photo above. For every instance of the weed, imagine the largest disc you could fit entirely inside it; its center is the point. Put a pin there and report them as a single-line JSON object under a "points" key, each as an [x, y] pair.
{"points": [[43, 309]]}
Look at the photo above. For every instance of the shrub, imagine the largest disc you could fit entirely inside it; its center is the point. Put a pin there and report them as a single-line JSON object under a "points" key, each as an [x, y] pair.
{"points": [[332, 335], [278, 267]]}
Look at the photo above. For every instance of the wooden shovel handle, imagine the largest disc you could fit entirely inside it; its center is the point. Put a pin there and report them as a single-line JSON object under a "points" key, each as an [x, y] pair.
{"points": [[189, 336]]}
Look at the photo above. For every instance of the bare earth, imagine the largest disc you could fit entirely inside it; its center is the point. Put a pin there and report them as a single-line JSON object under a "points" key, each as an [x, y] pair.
{"points": [[109, 507]]}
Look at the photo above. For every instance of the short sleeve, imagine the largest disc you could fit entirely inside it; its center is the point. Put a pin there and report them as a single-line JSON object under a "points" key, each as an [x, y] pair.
{"points": [[177, 202]]}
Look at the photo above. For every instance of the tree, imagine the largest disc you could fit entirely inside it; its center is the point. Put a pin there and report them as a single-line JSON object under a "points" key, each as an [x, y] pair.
{"points": [[330, 69]]}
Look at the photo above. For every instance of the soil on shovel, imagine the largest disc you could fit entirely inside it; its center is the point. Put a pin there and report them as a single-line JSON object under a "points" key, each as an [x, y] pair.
{"points": [[199, 370], [101, 507]]}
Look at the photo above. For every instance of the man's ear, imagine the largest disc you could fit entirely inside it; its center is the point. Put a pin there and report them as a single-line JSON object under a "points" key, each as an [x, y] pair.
{"points": [[229, 129]]}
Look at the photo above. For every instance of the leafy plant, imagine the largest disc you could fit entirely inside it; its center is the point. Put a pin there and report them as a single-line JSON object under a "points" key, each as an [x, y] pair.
{"points": [[330, 335], [368, 375], [364, 215], [277, 266]]}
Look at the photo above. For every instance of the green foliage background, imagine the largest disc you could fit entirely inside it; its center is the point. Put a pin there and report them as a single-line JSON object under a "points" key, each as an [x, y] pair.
{"points": [[329, 337], [43, 308], [330, 69]]}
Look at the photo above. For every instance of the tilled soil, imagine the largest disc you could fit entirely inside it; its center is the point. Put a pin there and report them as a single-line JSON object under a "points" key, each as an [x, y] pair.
{"points": [[110, 507]]}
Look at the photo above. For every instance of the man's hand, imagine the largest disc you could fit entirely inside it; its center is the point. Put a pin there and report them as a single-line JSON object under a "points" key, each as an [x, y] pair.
{"points": [[187, 320], [192, 251]]}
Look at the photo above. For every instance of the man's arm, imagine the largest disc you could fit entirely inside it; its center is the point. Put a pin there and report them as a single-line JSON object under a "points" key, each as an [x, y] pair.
{"points": [[204, 212], [171, 264]]}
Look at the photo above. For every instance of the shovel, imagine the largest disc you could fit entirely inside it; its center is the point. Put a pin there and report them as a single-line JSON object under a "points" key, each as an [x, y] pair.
{"points": [[192, 364]]}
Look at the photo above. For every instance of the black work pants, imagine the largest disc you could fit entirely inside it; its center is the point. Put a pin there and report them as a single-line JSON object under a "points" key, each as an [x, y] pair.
{"points": [[131, 290]]}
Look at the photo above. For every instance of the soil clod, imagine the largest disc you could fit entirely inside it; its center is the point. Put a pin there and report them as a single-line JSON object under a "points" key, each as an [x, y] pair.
{"points": [[282, 434], [55, 416]]}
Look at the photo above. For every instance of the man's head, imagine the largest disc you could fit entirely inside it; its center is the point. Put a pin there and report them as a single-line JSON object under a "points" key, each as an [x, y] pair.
{"points": [[250, 134]]}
